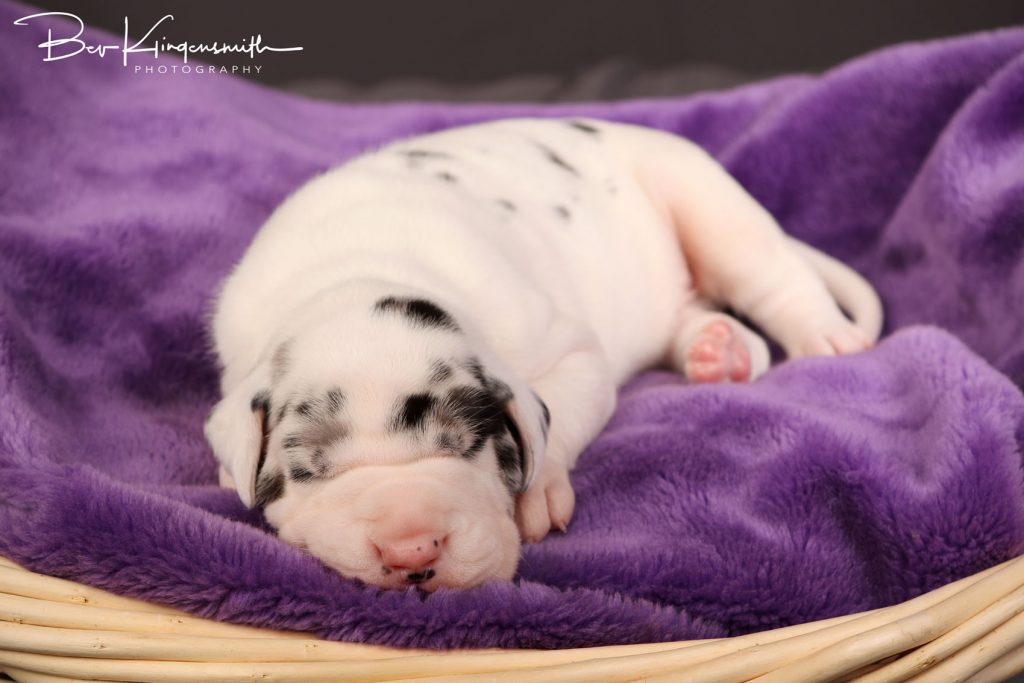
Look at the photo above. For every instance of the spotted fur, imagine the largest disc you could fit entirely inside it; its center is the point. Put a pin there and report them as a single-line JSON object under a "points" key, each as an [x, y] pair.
{"points": [[557, 160], [300, 474], [460, 421], [583, 127], [279, 362], [420, 311], [424, 154], [414, 410], [334, 401], [440, 371], [269, 487], [319, 425]]}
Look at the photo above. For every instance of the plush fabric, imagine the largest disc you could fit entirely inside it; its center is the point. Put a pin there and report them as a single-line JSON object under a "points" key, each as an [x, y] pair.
{"points": [[829, 486]]}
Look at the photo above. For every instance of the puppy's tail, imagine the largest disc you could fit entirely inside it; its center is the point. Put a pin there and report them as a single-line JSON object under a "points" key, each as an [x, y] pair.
{"points": [[855, 294]]}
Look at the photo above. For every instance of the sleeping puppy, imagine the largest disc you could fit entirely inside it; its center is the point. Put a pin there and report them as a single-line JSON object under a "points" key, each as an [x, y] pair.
{"points": [[418, 344]]}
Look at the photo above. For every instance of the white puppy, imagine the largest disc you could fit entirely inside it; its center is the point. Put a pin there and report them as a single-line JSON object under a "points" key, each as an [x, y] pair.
{"points": [[397, 332]]}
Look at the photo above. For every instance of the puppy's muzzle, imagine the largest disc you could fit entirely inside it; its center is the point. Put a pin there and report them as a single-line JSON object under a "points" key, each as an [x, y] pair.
{"points": [[411, 555], [410, 541]]}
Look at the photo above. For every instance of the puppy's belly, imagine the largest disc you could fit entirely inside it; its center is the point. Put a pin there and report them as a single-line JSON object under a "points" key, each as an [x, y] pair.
{"points": [[496, 211]]}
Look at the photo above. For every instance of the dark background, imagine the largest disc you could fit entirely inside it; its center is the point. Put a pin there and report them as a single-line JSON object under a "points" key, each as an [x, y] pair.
{"points": [[532, 50], [560, 49]]}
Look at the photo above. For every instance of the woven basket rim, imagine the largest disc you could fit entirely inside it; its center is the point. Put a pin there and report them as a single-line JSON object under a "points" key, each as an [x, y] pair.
{"points": [[57, 630]]}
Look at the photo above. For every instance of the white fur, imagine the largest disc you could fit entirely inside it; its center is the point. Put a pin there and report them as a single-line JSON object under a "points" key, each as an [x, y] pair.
{"points": [[658, 235]]}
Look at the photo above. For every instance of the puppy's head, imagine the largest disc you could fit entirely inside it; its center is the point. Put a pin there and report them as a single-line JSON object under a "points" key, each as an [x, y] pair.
{"points": [[387, 441]]}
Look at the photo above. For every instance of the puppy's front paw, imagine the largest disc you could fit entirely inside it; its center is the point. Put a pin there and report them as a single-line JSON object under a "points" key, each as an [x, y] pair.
{"points": [[547, 504], [837, 339]]}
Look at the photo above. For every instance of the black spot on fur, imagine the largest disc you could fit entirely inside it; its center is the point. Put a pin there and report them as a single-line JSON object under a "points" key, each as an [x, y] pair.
{"points": [[546, 416], [262, 458], [299, 473], [261, 402], [413, 411], [476, 369], [509, 463], [430, 314], [474, 448], [584, 127], [282, 411], [445, 441], [440, 371], [319, 462], [305, 409], [479, 410], [563, 212], [315, 435], [269, 487], [447, 177], [279, 362], [513, 430], [424, 154], [507, 205], [335, 399], [502, 392], [554, 158], [421, 311]]}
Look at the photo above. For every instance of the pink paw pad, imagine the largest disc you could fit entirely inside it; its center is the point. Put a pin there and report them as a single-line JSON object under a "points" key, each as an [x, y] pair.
{"points": [[717, 354]]}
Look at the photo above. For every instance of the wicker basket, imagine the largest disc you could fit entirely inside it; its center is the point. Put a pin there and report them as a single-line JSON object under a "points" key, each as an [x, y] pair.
{"points": [[56, 630]]}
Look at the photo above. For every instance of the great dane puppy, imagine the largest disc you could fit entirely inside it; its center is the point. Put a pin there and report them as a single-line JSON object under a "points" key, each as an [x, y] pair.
{"points": [[419, 343]]}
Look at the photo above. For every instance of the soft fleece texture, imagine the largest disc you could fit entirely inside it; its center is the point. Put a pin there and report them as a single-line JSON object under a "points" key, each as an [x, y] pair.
{"points": [[829, 486]]}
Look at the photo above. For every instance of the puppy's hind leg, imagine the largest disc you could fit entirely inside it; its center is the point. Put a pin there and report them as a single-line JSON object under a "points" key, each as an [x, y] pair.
{"points": [[739, 256], [710, 346]]}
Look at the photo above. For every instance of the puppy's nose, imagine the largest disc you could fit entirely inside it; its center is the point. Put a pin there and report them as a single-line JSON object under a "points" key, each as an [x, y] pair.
{"points": [[412, 554]]}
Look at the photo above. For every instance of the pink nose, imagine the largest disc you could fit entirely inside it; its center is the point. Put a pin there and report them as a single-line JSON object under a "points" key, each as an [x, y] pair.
{"points": [[411, 553]]}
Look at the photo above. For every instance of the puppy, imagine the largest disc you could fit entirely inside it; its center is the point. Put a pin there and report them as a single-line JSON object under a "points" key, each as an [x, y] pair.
{"points": [[418, 344]]}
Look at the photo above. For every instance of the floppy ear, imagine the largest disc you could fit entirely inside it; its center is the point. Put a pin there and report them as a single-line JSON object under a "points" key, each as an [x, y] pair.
{"points": [[528, 421], [236, 430], [526, 415]]}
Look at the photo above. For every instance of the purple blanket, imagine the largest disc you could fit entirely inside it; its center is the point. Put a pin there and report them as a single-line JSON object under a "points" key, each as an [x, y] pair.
{"points": [[829, 486]]}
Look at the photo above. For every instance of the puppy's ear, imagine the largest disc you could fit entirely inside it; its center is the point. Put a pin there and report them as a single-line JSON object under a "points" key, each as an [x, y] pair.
{"points": [[528, 421], [237, 431], [526, 417]]}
